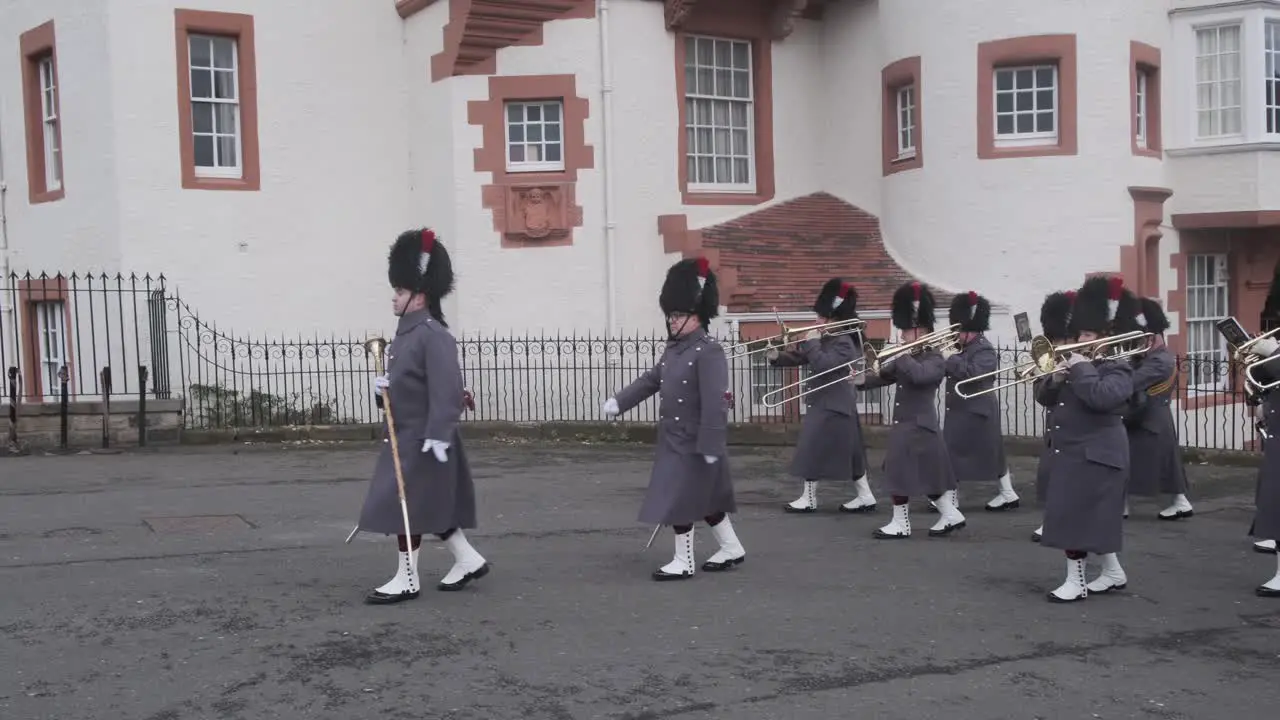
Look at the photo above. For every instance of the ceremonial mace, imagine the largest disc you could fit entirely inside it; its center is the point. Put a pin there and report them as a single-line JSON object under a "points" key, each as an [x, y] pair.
{"points": [[375, 347]]}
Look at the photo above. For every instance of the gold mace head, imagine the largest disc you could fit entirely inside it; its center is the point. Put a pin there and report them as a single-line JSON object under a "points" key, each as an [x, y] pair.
{"points": [[376, 346]]}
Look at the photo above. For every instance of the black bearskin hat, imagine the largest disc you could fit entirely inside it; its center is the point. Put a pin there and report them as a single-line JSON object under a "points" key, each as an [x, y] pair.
{"points": [[1055, 315], [420, 263], [1150, 317], [971, 311], [913, 307], [690, 287], [1103, 305], [837, 300]]}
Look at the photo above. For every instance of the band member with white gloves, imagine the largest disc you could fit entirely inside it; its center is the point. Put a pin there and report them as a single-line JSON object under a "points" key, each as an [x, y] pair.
{"points": [[972, 430], [427, 397], [916, 462], [830, 444], [1055, 321], [1155, 457], [1089, 466], [1266, 518], [690, 479]]}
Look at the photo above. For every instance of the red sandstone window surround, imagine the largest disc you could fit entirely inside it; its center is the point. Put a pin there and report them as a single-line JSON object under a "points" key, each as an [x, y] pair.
{"points": [[44, 316], [724, 91], [1027, 97], [901, 117], [41, 110], [1144, 84], [217, 100]]}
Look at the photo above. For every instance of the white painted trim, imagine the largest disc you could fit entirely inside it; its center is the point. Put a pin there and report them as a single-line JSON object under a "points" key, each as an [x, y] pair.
{"points": [[752, 317], [1225, 5]]}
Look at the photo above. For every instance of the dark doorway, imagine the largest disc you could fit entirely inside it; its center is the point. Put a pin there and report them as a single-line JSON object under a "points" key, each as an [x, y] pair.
{"points": [[1270, 319]]}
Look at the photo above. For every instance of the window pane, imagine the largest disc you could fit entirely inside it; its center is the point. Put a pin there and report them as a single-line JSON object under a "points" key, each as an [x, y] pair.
{"points": [[1024, 101], [204, 151], [533, 133], [1004, 80], [225, 119], [224, 85], [741, 56], [553, 152], [224, 53], [551, 113], [515, 134], [1025, 123], [533, 113], [1023, 79], [227, 151], [1044, 100], [515, 113], [551, 132], [1044, 122], [201, 54], [201, 84], [1004, 102], [1004, 124], [515, 153], [202, 117]]}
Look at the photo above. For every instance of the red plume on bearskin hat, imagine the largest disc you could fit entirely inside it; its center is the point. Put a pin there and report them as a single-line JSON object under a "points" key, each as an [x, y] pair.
{"points": [[971, 311]]}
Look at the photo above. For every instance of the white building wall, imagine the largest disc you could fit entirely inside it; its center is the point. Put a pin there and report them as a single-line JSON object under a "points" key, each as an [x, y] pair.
{"points": [[306, 253], [1010, 228], [80, 232]]}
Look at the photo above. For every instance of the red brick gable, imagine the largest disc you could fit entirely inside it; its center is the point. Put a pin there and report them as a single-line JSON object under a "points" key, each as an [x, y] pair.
{"points": [[780, 256]]}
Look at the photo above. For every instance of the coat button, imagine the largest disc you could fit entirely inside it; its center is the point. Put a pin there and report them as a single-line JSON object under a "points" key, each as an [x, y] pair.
{"points": [[1057, 451], [677, 419], [679, 399], [685, 382]]}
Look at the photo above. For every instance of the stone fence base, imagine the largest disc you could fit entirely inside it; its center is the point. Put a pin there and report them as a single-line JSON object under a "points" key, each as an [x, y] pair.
{"points": [[750, 434], [39, 427]]}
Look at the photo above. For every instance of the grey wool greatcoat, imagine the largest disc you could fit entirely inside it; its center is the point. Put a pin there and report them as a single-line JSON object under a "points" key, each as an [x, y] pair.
{"points": [[426, 403], [692, 383], [830, 435], [1266, 518], [972, 429], [917, 462], [1089, 459], [1155, 458], [1045, 391]]}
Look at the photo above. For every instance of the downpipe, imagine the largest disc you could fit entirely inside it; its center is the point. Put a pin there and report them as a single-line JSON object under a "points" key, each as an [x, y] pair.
{"points": [[8, 316], [606, 122]]}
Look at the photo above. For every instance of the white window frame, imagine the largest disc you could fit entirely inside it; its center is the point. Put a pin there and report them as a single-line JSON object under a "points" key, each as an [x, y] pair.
{"points": [[1182, 120], [1140, 104], [51, 338], [691, 128], [48, 74], [1226, 77], [1029, 139], [1271, 76], [906, 114], [219, 170], [517, 166], [1204, 342]]}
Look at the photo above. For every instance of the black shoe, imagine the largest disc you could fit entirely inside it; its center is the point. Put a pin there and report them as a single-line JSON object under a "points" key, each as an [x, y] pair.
{"points": [[379, 598], [1011, 505], [1176, 516], [947, 530], [663, 577], [473, 575], [791, 509], [862, 509], [722, 566], [1264, 591]]}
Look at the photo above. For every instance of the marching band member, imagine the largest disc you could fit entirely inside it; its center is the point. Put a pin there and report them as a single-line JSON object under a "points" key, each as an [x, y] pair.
{"points": [[917, 461], [1055, 319], [426, 384], [1155, 457], [972, 430], [1266, 518], [830, 446], [690, 479], [1090, 462]]}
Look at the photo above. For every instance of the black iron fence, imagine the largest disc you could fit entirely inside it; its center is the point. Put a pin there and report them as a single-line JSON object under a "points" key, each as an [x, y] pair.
{"points": [[133, 336]]}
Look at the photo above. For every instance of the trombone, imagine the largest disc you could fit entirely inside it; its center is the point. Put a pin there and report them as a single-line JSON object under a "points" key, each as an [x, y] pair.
{"points": [[1044, 360], [788, 335], [939, 339], [1252, 361], [847, 374]]}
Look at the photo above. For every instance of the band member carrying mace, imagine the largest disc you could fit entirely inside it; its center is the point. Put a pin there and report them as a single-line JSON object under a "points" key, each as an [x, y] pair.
{"points": [[1089, 465], [1055, 321], [830, 446], [916, 462], [1155, 457], [972, 430], [425, 388], [690, 479]]}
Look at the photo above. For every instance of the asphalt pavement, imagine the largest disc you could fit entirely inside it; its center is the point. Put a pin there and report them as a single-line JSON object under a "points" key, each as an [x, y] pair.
{"points": [[214, 583]]}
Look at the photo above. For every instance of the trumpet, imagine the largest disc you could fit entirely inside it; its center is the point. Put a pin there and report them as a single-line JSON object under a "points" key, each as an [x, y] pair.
{"points": [[846, 374], [789, 335], [938, 339], [1045, 356]]}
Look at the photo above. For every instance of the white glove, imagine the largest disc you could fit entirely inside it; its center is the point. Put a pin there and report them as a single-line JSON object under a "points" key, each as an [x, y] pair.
{"points": [[437, 448], [812, 335], [380, 383], [610, 407], [1259, 412], [711, 459], [1265, 347], [948, 351], [771, 354]]}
